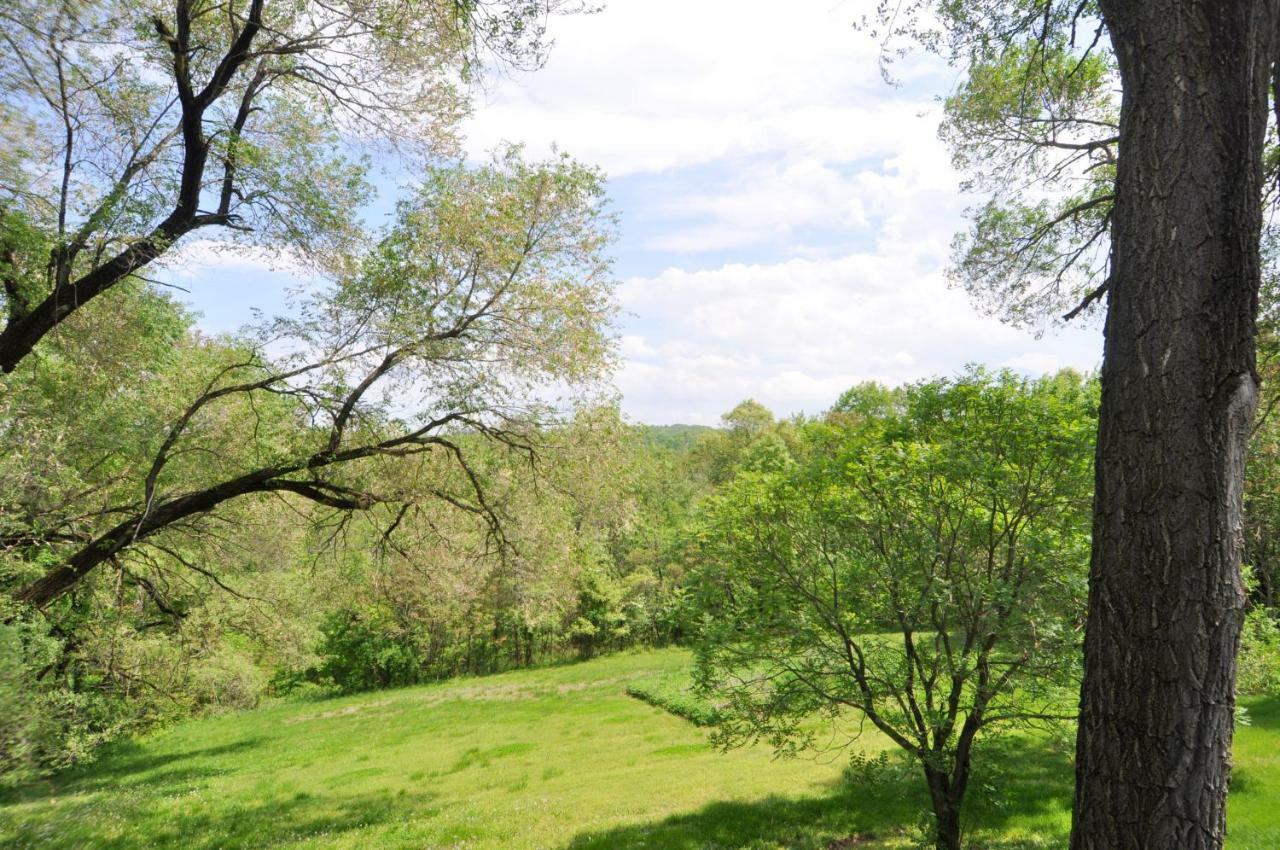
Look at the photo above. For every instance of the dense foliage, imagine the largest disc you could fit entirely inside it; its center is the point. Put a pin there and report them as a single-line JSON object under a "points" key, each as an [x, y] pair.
{"points": [[163, 525]]}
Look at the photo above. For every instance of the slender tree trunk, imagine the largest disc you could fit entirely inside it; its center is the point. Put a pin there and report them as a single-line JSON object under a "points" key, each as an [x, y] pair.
{"points": [[1179, 391], [946, 810]]}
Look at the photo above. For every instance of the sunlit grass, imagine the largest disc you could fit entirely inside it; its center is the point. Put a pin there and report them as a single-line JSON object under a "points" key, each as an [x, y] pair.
{"points": [[554, 758]]}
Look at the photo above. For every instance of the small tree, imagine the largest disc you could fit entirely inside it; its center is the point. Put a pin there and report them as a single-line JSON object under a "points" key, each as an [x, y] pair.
{"points": [[925, 570], [601, 620]]}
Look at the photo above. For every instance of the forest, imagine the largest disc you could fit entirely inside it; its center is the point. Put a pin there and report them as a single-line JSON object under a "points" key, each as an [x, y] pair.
{"points": [[393, 562]]}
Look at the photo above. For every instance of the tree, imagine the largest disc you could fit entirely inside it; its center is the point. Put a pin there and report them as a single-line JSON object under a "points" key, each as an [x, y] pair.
{"points": [[925, 569], [1153, 203], [491, 286], [867, 400], [748, 419], [146, 640], [719, 453], [128, 125], [1179, 391]]}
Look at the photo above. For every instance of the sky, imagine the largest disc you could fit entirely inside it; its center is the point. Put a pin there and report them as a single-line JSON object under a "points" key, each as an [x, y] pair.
{"points": [[786, 215]]}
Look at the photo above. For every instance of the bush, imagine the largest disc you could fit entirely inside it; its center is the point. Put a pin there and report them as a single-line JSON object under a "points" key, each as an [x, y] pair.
{"points": [[1259, 663], [365, 650], [228, 680], [673, 692], [44, 725]]}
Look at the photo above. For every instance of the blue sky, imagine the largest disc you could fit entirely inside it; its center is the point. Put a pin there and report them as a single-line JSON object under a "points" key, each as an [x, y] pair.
{"points": [[786, 215]]}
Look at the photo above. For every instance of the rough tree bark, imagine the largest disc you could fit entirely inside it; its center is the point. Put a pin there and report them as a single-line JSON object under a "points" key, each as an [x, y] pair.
{"points": [[1179, 391], [946, 808]]}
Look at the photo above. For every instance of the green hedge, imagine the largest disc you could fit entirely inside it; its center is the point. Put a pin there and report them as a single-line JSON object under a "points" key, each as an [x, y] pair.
{"points": [[673, 692]]}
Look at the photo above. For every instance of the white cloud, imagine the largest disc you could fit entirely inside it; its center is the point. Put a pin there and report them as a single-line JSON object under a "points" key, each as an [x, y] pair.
{"points": [[770, 201], [744, 129], [775, 119], [775, 128], [652, 85], [796, 334]]}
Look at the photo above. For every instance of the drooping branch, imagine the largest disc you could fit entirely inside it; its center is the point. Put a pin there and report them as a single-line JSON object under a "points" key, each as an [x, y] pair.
{"points": [[429, 310], [59, 580]]}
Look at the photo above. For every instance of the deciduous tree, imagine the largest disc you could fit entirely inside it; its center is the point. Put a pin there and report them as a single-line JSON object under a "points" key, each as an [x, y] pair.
{"points": [[1135, 133], [492, 287]]}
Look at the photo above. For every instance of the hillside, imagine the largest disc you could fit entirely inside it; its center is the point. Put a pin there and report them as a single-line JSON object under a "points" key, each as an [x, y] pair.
{"points": [[552, 758]]}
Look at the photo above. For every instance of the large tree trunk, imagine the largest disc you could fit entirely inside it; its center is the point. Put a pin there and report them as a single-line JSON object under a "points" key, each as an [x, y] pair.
{"points": [[1179, 391]]}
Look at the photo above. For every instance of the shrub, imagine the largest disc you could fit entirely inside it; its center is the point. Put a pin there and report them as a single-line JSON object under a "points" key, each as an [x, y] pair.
{"points": [[1259, 662], [673, 693], [44, 724], [363, 650]]}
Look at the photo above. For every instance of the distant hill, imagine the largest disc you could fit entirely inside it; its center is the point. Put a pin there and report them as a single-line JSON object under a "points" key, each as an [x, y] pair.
{"points": [[677, 438]]}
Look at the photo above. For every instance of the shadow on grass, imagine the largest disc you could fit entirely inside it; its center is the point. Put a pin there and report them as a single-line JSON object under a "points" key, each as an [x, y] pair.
{"points": [[1264, 712], [263, 823], [126, 763], [1023, 785], [773, 821], [1020, 780]]}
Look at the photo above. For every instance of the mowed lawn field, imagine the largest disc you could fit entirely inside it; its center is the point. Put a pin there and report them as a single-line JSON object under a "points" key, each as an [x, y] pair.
{"points": [[552, 758]]}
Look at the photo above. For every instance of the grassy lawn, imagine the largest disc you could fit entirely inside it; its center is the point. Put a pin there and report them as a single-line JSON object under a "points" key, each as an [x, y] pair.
{"points": [[554, 758]]}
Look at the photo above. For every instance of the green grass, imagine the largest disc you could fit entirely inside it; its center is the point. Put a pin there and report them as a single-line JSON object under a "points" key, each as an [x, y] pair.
{"points": [[554, 758]]}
